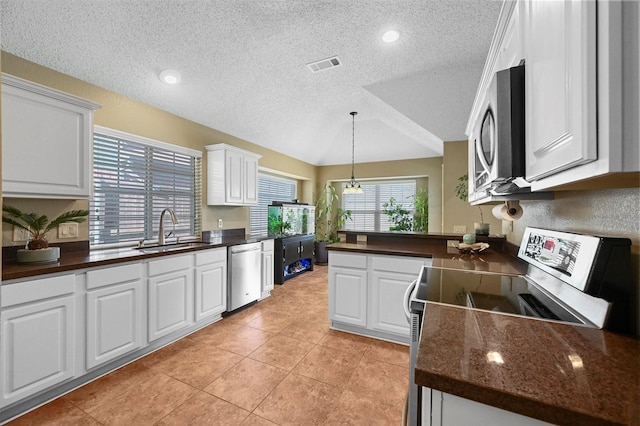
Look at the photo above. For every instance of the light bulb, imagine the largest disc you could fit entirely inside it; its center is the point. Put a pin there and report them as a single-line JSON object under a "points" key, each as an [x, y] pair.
{"points": [[391, 36], [170, 76]]}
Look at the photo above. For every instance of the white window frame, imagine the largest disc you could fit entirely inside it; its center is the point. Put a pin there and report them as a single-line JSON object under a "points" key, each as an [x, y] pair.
{"points": [[189, 213], [380, 221]]}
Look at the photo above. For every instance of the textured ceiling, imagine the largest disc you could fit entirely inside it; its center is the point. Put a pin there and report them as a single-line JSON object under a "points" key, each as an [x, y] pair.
{"points": [[243, 65]]}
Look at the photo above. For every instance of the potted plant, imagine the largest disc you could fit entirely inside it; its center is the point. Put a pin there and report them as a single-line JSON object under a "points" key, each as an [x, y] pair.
{"points": [[421, 211], [462, 192], [37, 248], [398, 216], [328, 222], [401, 217]]}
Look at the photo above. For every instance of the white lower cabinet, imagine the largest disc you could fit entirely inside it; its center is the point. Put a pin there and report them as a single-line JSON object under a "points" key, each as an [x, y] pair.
{"points": [[348, 288], [390, 278], [267, 267], [170, 286], [366, 293], [38, 335], [451, 410], [114, 313], [210, 283]]}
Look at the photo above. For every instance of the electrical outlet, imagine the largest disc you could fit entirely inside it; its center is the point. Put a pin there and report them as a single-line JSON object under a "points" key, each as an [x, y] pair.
{"points": [[459, 229], [20, 234], [220, 223], [68, 230]]}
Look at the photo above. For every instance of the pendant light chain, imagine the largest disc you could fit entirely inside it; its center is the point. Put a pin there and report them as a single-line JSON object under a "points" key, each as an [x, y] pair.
{"points": [[353, 144]]}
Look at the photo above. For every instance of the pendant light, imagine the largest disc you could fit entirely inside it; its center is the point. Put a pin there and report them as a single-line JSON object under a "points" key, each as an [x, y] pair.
{"points": [[353, 187]]}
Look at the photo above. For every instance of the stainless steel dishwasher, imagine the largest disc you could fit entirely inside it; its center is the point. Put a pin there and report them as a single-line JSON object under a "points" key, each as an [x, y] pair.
{"points": [[244, 275]]}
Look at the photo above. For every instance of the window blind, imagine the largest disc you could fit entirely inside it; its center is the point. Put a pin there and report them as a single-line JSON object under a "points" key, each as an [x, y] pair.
{"points": [[270, 188], [134, 181], [366, 209]]}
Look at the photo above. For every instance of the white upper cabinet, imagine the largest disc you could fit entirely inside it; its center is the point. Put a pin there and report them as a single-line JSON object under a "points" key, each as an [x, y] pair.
{"points": [[232, 176], [47, 139], [560, 84]]}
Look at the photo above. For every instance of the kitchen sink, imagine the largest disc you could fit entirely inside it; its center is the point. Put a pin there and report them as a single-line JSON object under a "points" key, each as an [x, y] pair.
{"points": [[170, 247]]}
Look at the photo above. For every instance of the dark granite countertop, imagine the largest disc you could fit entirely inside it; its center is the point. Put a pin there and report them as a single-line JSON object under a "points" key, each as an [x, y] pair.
{"points": [[80, 259], [559, 373]]}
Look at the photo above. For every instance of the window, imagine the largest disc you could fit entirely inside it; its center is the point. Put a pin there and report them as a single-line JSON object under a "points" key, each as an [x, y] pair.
{"points": [[134, 179], [366, 209], [270, 188]]}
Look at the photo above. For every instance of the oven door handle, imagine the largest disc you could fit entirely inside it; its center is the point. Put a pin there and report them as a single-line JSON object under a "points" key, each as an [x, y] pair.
{"points": [[407, 299]]}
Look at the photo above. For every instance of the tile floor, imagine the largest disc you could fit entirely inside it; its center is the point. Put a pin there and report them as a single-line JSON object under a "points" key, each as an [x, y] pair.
{"points": [[274, 363]]}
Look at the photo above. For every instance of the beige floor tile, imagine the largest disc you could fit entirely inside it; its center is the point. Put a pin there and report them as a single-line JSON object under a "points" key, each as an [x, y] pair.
{"points": [[199, 364], [356, 410], [346, 341], [247, 315], [298, 400], [306, 331], [392, 353], [146, 404], [271, 321], [205, 409], [254, 420], [244, 340], [282, 351], [215, 331], [109, 387], [374, 378], [57, 413], [247, 383], [328, 365]]}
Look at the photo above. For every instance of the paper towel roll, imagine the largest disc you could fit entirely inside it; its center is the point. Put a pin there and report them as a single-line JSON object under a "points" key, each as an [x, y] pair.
{"points": [[512, 212]]}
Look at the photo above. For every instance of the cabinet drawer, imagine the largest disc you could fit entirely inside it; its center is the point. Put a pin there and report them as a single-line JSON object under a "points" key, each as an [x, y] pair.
{"points": [[37, 289], [113, 275], [397, 264], [211, 256], [348, 260], [169, 264]]}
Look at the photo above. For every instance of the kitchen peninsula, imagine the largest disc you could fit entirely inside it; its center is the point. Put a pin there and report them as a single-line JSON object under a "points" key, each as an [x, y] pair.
{"points": [[549, 371]]}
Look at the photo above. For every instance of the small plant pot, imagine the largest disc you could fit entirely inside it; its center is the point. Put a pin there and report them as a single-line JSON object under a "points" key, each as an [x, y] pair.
{"points": [[482, 228], [45, 255], [322, 256]]}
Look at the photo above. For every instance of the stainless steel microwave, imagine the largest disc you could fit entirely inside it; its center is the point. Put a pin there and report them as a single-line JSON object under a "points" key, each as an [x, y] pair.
{"points": [[496, 147]]}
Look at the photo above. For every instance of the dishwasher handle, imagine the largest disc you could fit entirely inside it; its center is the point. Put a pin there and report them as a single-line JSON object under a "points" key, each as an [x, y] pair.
{"points": [[243, 248]]}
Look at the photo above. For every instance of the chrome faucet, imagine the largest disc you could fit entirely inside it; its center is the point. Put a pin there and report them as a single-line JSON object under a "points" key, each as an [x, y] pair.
{"points": [[174, 219]]}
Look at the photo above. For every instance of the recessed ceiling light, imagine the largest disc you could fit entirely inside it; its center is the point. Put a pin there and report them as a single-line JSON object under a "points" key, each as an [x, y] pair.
{"points": [[170, 76], [391, 36]]}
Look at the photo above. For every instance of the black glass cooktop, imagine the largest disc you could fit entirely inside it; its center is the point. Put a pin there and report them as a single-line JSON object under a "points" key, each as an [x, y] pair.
{"points": [[490, 292]]}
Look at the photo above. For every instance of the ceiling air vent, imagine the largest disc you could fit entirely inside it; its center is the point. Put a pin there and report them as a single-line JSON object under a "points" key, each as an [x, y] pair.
{"points": [[325, 64]]}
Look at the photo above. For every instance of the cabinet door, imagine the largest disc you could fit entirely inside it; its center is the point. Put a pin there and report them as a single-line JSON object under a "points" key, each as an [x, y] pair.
{"points": [[348, 295], [306, 248], [53, 131], [390, 277], [234, 178], [38, 346], [511, 51], [211, 290], [291, 250], [267, 267], [114, 326], [560, 44], [250, 180], [387, 299], [461, 411], [170, 303]]}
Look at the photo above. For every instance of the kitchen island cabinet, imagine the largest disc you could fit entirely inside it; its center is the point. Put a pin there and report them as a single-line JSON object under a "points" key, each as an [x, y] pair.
{"points": [[366, 293]]}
